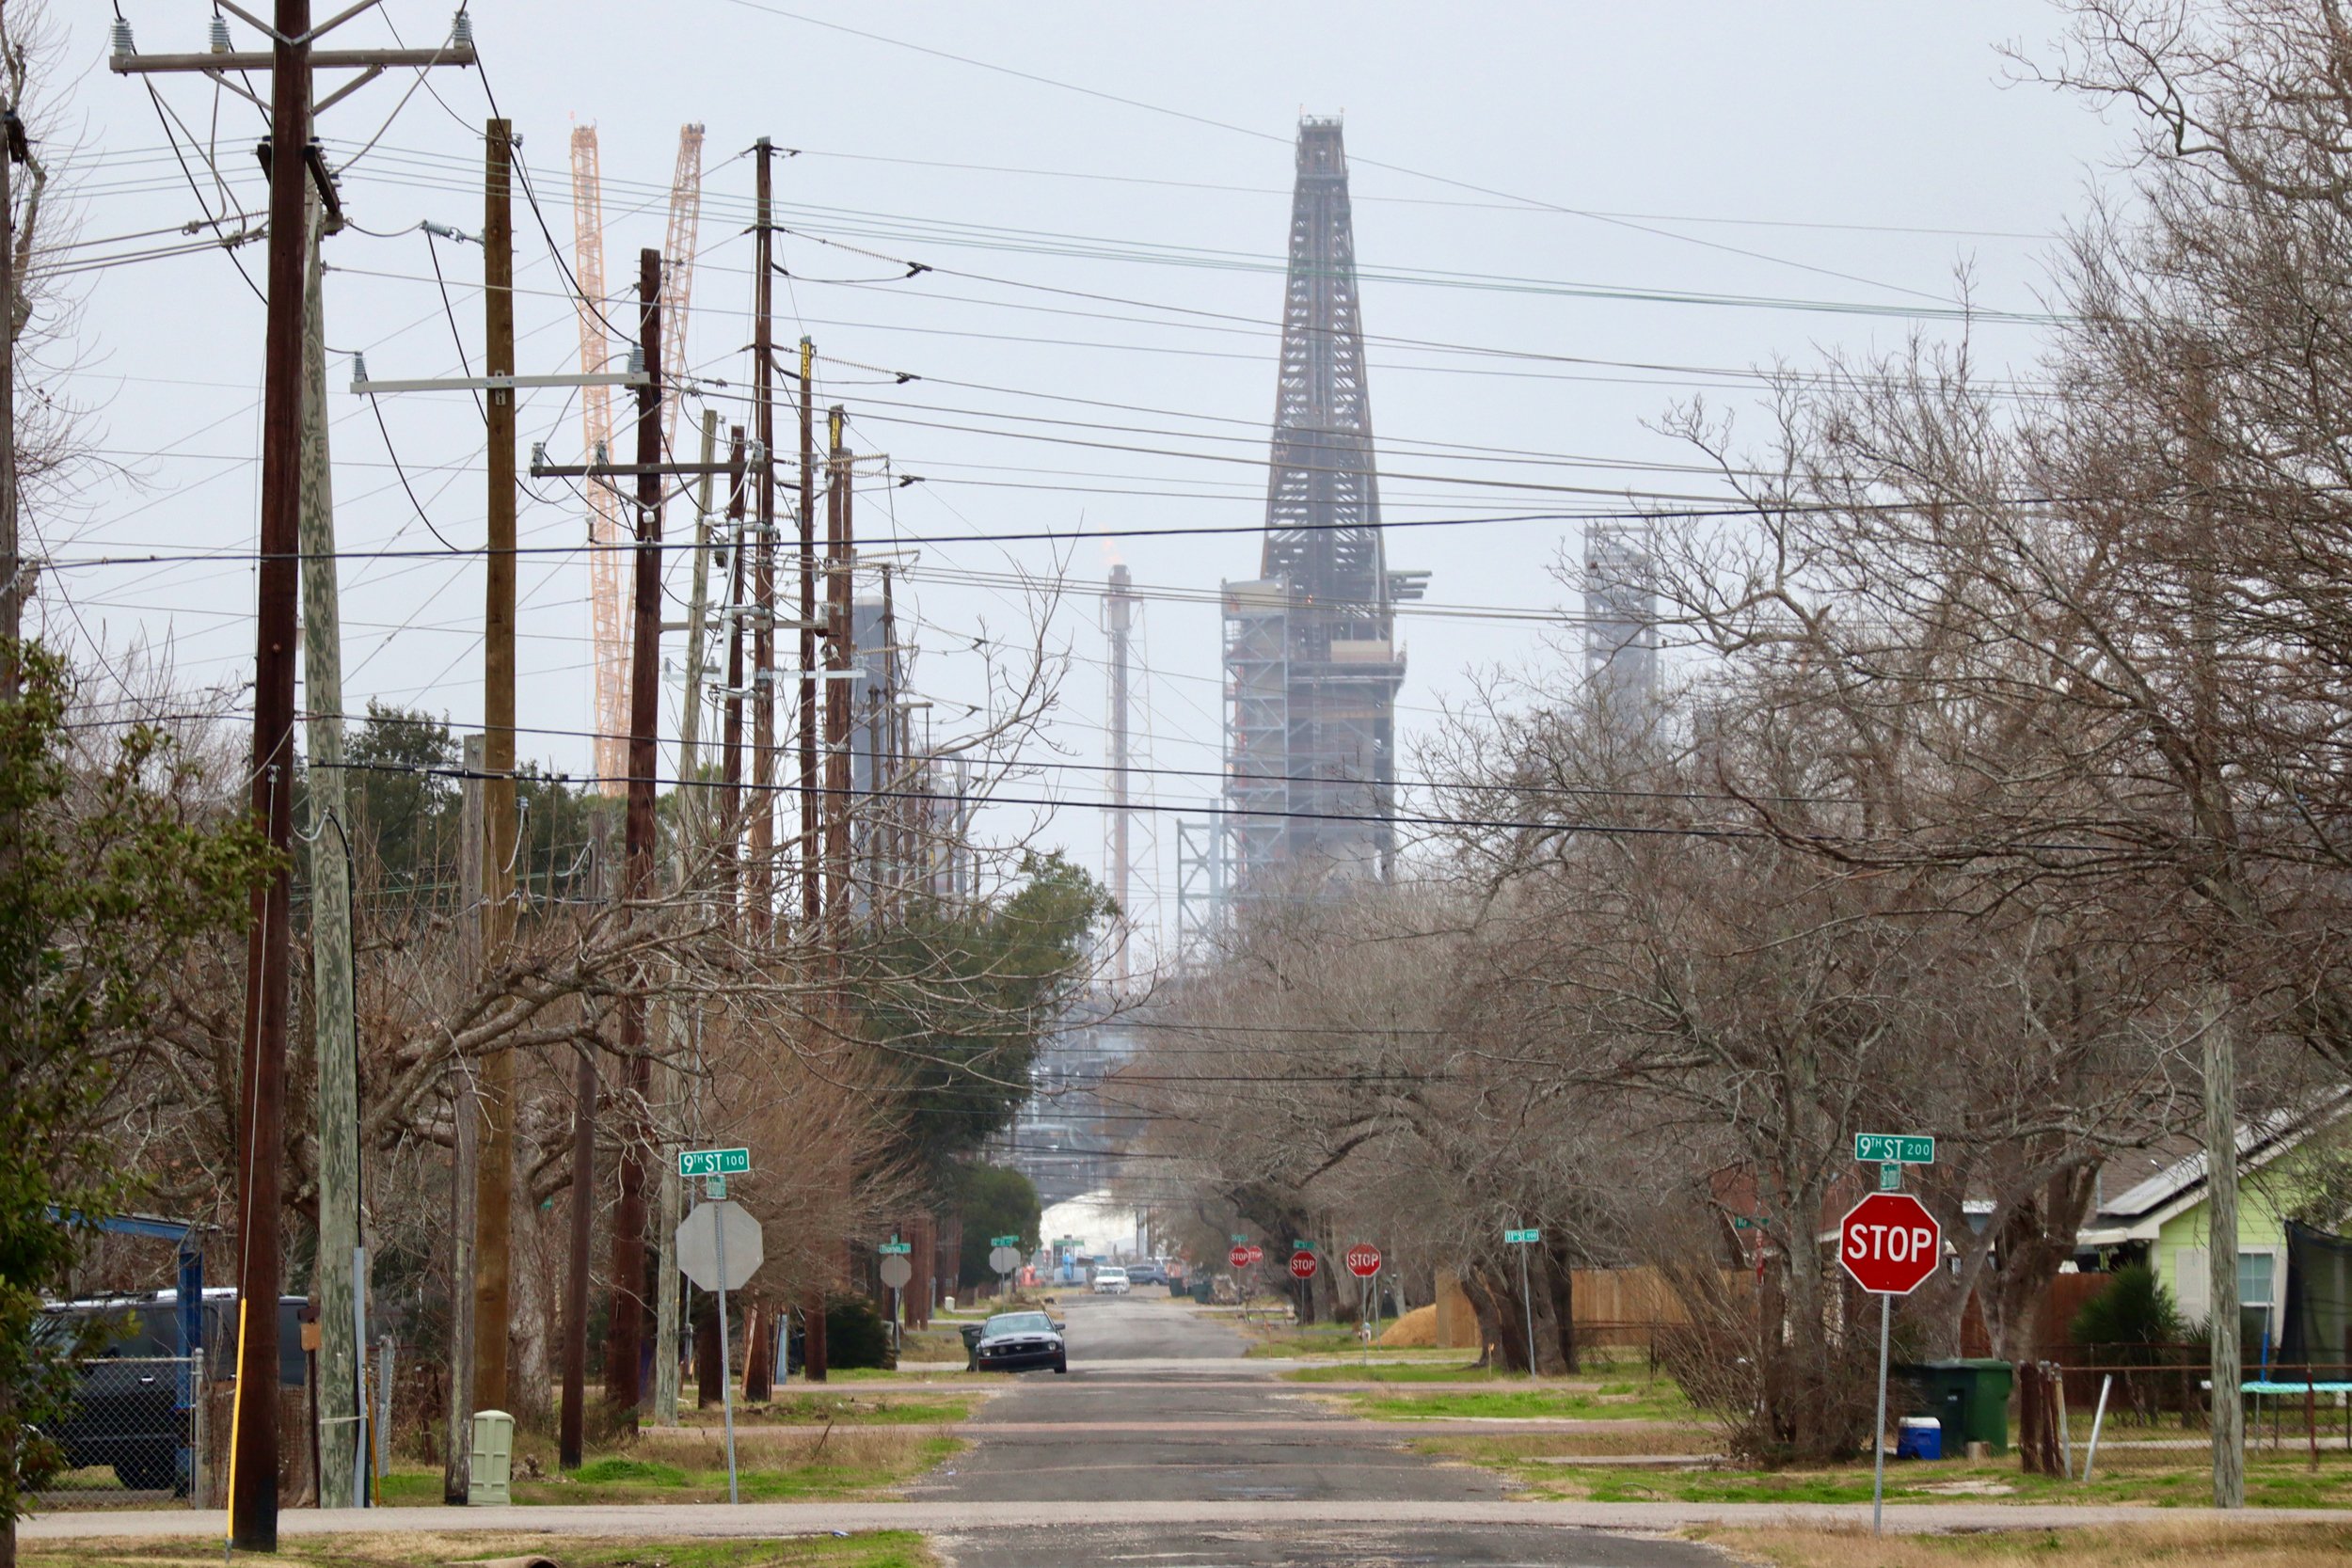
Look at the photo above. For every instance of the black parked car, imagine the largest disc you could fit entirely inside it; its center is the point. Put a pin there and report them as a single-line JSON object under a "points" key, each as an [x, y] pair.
{"points": [[1020, 1342]]}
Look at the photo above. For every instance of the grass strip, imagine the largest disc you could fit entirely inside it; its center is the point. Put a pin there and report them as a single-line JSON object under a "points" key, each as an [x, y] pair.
{"points": [[2228, 1544]]}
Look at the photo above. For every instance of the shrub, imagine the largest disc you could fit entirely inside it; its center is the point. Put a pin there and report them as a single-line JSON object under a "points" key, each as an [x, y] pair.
{"points": [[2134, 1311], [856, 1336]]}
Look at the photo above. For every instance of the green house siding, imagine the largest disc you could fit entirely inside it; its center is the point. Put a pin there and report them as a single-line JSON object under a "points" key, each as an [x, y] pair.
{"points": [[2266, 1197]]}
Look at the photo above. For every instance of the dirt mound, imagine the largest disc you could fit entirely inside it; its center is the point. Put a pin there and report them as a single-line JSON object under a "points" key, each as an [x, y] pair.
{"points": [[1417, 1327]]}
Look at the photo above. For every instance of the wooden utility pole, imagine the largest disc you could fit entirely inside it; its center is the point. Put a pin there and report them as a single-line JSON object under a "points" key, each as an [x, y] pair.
{"points": [[269, 956], [334, 1037], [731, 740], [623, 1342], [809, 889], [1120, 602], [12, 573], [693, 835], [458, 1446], [763, 844], [2228, 1434], [840, 699], [494, 1175], [295, 166]]}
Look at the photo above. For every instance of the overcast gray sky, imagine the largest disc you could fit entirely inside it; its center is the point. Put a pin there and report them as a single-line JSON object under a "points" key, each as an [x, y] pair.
{"points": [[1569, 215]]}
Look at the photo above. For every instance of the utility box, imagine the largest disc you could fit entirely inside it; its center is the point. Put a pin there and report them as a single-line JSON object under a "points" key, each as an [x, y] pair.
{"points": [[493, 1464], [1968, 1397]]}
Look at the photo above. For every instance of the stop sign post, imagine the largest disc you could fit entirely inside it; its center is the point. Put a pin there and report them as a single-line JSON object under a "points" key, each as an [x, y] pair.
{"points": [[1302, 1265], [1239, 1257], [1364, 1259], [1889, 1244], [703, 1257]]}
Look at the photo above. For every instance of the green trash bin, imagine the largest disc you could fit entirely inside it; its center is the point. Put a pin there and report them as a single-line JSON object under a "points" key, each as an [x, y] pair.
{"points": [[1969, 1396]]}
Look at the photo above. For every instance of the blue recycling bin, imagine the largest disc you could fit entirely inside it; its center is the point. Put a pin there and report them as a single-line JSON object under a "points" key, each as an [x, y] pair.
{"points": [[1919, 1437]]}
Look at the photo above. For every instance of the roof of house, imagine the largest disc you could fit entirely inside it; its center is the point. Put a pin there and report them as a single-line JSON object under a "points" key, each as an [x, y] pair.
{"points": [[2140, 1211]]}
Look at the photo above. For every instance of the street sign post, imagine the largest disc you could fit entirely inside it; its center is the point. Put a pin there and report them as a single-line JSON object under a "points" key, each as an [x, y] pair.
{"points": [[1890, 1245], [720, 1247], [1364, 1261], [1525, 1239]]}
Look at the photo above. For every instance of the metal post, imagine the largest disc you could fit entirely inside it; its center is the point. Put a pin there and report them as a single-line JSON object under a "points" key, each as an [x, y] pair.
{"points": [[727, 1353], [1526, 1306], [1878, 1431], [360, 1377], [383, 1410], [2090, 1455]]}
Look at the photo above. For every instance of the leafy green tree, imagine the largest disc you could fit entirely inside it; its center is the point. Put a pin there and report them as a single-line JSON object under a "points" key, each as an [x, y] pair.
{"points": [[108, 872], [993, 1201], [406, 795], [962, 997]]}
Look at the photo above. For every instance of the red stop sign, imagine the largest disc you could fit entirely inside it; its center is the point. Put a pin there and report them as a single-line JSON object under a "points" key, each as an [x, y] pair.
{"points": [[1890, 1243], [1364, 1259], [1303, 1265], [1239, 1257], [1255, 1251]]}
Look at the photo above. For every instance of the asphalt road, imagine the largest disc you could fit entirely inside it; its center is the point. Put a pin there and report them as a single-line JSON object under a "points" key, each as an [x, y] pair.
{"points": [[1164, 1448], [1159, 1407]]}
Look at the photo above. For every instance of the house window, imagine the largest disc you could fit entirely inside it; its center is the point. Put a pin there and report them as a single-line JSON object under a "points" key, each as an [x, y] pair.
{"points": [[2257, 1274]]}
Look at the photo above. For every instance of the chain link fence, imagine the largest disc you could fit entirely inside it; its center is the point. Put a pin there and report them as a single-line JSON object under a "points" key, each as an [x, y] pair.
{"points": [[134, 1436]]}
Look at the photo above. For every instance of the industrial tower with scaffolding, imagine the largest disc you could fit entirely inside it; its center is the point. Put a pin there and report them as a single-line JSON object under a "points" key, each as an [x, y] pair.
{"points": [[1311, 661]]}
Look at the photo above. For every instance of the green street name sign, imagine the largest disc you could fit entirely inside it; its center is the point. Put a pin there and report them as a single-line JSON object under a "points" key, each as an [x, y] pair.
{"points": [[1522, 1238], [714, 1162], [1894, 1148], [1004, 1241], [895, 1246], [1240, 1240], [1302, 1246], [1748, 1222]]}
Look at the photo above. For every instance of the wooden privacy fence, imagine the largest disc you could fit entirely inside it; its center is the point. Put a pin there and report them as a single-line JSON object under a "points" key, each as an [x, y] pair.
{"points": [[1627, 1306]]}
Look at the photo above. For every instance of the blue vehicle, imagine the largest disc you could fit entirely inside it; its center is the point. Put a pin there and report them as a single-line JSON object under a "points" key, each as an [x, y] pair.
{"points": [[131, 1407]]}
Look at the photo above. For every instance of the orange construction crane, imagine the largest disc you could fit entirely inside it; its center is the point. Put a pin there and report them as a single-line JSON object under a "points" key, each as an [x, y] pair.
{"points": [[607, 534], [678, 271]]}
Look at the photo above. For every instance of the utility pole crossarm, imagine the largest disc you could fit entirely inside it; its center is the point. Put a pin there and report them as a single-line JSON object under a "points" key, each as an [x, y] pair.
{"points": [[323, 60], [361, 382]]}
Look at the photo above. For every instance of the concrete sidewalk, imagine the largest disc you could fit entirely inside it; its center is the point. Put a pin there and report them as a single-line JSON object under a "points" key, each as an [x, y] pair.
{"points": [[650, 1522]]}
